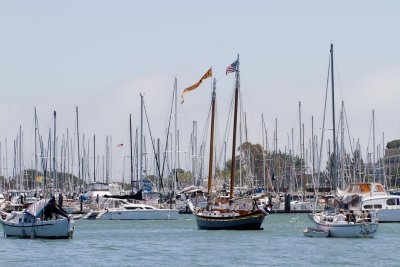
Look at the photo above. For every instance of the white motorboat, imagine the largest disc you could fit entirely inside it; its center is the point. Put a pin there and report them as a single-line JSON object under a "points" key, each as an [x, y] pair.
{"points": [[355, 193], [96, 191], [385, 208], [120, 209], [373, 198], [342, 228], [41, 219]]}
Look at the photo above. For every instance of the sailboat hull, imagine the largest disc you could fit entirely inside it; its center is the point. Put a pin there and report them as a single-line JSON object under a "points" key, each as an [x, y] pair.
{"points": [[60, 228], [350, 230], [251, 221], [344, 229]]}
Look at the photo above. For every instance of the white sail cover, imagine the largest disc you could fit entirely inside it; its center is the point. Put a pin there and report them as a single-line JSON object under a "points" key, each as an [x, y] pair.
{"points": [[36, 207]]}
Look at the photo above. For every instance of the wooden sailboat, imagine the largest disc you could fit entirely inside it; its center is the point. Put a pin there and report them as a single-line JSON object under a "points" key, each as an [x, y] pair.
{"points": [[228, 213]]}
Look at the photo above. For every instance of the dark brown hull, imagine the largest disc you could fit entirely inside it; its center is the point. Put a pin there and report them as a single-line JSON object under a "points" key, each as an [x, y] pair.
{"points": [[251, 221]]}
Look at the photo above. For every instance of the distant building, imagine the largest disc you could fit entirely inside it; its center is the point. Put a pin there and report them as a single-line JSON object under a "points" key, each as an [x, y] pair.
{"points": [[392, 165], [392, 160]]}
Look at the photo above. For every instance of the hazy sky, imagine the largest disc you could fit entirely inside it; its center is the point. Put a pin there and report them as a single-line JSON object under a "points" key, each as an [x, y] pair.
{"points": [[99, 55]]}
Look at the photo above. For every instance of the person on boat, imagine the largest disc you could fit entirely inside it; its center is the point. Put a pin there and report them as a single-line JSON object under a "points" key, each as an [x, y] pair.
{"points": [[369, 217], [48, 211], [364, 215], [268, 208], [341, 217], [351, 217]]}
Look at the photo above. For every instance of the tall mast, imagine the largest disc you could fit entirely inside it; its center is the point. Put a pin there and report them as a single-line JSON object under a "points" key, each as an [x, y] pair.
{"points": [[110, 174], [334, 174], [301, 150], [293, 172], [94, 158], [103, 170], [137, 158], [383, 161], [6, 165], [276, 162], [210, 164], [107, 161], [373, 145], [130, 148], [233, 167], [312, 148], [194, 153], [70, 188], [21, 174], [160, 185], [54, 156], [176, 136], [263, 151], [36, 157], [141, 141], [79, 155], [342, 154]]}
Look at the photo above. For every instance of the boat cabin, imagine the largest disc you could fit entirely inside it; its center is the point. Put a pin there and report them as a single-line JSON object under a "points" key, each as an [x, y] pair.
{"points": [[363, 189], [384, 202]]}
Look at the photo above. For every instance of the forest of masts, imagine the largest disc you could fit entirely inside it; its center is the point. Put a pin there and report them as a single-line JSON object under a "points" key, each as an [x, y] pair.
{"points": [[68, 161]]}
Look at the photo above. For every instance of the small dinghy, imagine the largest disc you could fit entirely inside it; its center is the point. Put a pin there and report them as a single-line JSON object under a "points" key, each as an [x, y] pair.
{"points": [[313, 232]]}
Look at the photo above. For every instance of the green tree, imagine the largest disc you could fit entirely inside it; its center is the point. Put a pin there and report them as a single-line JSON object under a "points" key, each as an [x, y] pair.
{"points": [[393, 144]]}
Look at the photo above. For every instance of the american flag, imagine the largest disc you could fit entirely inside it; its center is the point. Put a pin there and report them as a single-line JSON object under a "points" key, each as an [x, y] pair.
{"points": [[233, 67]]}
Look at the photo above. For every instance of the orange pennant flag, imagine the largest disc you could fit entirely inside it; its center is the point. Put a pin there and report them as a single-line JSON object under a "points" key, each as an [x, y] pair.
{"points": [[208, 74]]}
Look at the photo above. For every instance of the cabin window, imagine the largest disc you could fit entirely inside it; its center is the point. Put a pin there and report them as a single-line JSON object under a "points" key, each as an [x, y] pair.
{"points": [[398, 201], [391, 201], [378, 206], [364, 188], [367, 207], [354, 189], [377, 188]]}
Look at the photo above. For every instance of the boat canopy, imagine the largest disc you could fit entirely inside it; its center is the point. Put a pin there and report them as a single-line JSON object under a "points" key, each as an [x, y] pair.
{"points": [[45, 206], [36, 208], [360, 188]]}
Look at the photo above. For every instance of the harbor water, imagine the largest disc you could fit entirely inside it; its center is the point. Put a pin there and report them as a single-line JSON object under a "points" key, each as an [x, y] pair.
{"points": [[180, 243]]}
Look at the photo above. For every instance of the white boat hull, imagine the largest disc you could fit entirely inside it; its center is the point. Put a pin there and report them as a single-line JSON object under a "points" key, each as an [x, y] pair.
{"points": [[388, 215], [344, 229], [384, 208], [349, 230], [158, 214], [61, 228]]}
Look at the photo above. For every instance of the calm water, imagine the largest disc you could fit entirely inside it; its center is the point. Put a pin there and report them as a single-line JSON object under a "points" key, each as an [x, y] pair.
{"points": [[180, 243]]}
